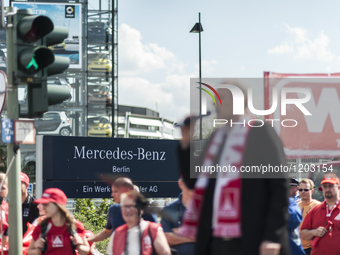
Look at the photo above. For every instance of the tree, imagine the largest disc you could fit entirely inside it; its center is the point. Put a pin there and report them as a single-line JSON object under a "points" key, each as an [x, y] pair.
{"points": [[94, 217]]}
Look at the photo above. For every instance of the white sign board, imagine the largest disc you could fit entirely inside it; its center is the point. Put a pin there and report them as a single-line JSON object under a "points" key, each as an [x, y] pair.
{"points": [[24, 132]]}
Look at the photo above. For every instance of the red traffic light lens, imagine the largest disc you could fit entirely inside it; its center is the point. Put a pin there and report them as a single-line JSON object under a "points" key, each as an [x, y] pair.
{"points": [[34, 33]]}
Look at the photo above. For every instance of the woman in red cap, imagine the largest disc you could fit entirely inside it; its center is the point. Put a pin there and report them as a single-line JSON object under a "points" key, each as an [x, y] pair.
{"points": [[59, 233]]}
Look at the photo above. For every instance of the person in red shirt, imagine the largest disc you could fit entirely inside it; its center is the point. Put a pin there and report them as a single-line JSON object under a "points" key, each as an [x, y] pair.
{"points": [[62, 233], [323, 220], [4, 207]]}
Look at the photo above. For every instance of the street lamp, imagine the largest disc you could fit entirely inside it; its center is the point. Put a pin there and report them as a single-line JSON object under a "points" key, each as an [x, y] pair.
{"points": [[198, 29]]}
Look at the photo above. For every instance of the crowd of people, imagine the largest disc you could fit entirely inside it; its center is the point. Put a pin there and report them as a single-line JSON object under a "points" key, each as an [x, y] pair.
{"points": [[312, 226], [229, 213]]}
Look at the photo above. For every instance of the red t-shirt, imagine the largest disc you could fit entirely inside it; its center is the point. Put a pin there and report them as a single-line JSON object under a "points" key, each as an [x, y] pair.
{"points": [[315, 218], [58, 238], [4, 208]]}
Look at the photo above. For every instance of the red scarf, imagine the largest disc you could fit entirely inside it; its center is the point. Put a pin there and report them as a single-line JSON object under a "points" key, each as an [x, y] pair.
{"points": [[226, 219]]}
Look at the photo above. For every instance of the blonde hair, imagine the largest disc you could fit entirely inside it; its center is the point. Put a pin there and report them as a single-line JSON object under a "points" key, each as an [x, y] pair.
{"points": [[307, 181]]}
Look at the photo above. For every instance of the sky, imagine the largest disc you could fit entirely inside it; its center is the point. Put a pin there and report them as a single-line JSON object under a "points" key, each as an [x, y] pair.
{"points": [[242, 39], [158, 55]]}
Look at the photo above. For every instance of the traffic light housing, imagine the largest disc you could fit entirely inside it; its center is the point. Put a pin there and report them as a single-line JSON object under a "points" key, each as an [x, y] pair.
{"points": [[35, 61]]}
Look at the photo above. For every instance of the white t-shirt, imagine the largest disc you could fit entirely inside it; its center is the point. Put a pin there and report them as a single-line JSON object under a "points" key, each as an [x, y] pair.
{"points": [[133, 240]]}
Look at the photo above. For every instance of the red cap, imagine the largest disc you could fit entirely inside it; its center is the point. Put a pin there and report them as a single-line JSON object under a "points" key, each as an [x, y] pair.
{"points": [[52, 195], [329, 178], [24, 178]]}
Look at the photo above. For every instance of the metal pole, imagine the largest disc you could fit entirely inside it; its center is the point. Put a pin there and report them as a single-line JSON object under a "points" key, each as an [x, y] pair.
{"points": [[200, 75], [14, 184]]}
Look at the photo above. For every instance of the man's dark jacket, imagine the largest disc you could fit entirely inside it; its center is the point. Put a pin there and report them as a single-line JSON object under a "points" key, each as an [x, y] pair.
{"points": [[264, 201]]}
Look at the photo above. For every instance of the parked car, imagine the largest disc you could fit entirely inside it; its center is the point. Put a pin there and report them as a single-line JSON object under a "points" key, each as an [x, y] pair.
{"points": [[99, 62], [59, 46], [99, 94], [3, 59], [318, 171], [98, 32], [29, 161], [99, 127], [53, 123], [3, 36]]}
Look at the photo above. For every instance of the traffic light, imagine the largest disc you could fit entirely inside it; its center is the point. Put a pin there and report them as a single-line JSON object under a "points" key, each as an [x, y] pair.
{"points": [[35, 61], [32, 56], [55, 94]]}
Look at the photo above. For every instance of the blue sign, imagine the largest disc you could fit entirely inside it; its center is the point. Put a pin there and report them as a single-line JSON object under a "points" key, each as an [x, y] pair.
{"points": [[7, 131], [91, 158], [30, 189], [77, 164]]}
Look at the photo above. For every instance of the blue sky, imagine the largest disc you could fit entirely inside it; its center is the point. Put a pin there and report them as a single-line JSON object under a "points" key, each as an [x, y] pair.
{"points": [[158, 55]]}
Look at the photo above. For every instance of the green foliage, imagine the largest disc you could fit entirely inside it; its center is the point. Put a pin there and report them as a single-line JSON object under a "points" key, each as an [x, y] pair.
{"points": [[93, 217]]}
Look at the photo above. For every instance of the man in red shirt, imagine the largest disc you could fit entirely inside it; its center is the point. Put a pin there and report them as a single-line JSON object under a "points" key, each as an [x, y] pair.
{"points": [[323, 220]]}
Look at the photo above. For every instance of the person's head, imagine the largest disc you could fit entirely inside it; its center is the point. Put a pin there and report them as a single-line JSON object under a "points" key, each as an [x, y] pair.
{"points": [[135, 188], [25, 181], [225, 111], [293, 184], [53, 201], [330, 186], [306, 189], [41, 210], [4, 189], [119, 186], [132, 204]]}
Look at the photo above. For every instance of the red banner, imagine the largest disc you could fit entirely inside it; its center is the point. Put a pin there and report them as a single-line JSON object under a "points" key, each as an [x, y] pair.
{"points": [[312, 135]]}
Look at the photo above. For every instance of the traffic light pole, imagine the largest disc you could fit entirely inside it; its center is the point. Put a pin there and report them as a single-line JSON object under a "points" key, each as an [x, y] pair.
{"points": [[14, 184]]}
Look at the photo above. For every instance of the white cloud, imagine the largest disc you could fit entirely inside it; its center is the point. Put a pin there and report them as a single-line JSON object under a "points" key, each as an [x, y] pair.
{"points": [[281, 49], [136, 58], [302, 47], [139, 63], [171, 96]]}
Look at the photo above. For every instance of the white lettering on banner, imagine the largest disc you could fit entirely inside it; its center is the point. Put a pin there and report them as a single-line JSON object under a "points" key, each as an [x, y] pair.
{"points": [[123, 169], [100, 189], [148, 189], [153, 189], [328, 104], [117, 154], [87, 189]]}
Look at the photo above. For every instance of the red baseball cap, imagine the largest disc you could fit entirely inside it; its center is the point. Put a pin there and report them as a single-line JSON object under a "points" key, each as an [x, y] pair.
{"points": [[52, 195], [329, 178], [24, 178]]}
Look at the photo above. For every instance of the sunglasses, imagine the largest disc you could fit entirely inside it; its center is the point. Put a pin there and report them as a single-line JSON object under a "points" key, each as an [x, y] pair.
{"points": [[305, 190]]}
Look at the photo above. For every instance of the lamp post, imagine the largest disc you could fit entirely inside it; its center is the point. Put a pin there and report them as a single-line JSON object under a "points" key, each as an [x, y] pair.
{"points": [[198, 29]]}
